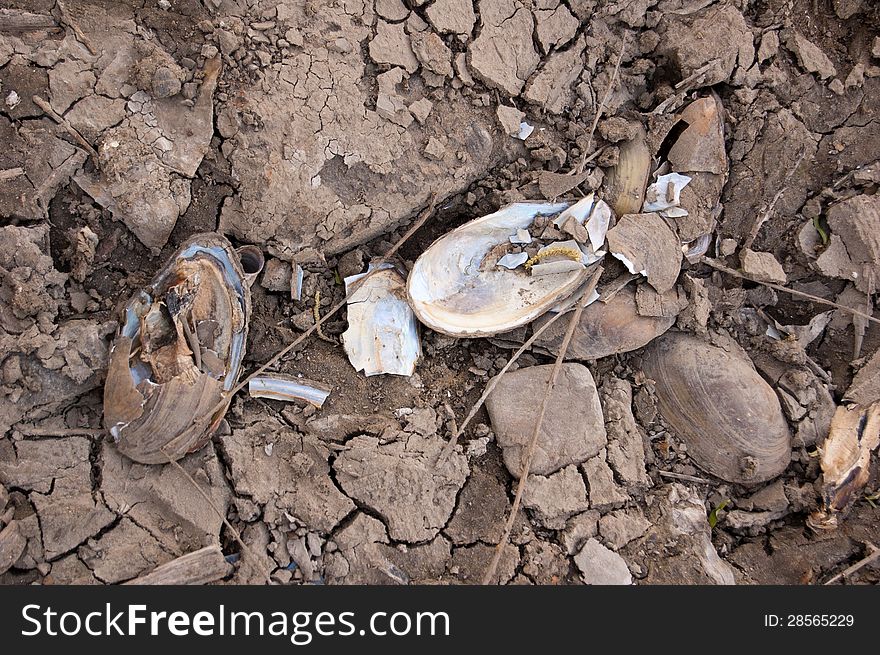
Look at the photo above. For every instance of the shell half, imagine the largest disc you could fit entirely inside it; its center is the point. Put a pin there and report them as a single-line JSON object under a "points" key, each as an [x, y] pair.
{"points": [[178, 353], [455, 289]]}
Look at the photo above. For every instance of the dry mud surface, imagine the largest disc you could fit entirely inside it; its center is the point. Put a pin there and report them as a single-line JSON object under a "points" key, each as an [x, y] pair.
{"points": [[317, 131]]}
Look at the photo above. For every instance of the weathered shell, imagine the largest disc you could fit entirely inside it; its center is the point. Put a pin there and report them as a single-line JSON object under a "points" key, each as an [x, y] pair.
{"points": [[605, 329], [715, 401], [382, 335], [625, 183], [845, 460], [178, 352], [452, 291]]}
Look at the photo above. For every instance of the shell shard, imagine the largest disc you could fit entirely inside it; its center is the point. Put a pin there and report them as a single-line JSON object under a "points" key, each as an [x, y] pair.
{"points": [[456, 288], [288, 389], [178, 353], [716, 402], [845, 458], [382, 335]]}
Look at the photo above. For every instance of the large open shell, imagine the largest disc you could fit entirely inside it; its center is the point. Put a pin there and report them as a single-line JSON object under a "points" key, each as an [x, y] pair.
{"points": [[715, 401], [451, 291], [178, 352]]}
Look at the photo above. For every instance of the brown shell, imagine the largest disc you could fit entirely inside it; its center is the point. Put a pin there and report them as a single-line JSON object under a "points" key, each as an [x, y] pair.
{"points": [[605, 329], [178, 353], [626, 182], [727, 415]]}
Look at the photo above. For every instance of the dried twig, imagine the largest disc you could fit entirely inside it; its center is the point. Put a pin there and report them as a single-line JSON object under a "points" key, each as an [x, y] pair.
{"points": [[868, 559], [800, 294], [601, 107], [70, 129], [447, 449], [681, 476], [763, 216], [530, 451], [244, 547], [62, 432], [11, 173]]}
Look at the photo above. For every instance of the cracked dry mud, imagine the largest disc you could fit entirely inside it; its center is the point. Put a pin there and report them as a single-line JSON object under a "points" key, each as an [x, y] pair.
{"points": [[318, 131]]}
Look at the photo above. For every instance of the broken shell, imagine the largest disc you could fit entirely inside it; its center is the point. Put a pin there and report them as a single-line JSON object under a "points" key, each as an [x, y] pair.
{"points": [[287, 388], [605, 329], [715, 401], [382, 334], [178, 352], [845, 458], [456, 288], [625, 183]]}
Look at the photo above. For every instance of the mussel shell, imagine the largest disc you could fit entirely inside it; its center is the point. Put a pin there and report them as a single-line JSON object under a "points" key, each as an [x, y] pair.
{"points": [[605, 329], [450, 293], [157, 411], [727, 415]]}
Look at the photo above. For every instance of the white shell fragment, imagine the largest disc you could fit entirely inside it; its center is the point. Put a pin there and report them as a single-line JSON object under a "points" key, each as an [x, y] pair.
{"points": [[456, 288], [525, 131], [287, 388], [382, 335], [513, 260], [665, 194], [296, 282], [521, 237]]}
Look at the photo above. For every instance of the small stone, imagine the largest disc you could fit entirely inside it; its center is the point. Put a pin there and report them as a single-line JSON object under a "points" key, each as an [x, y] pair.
{"points": [[573, 428], [762, 266], [621, 527], [600, 566], [276, 275], [769, 46], [227, 41], [510, 119], [555, 498], [810, 57], [392, 10], [875, 48], [421, 109], [727, 247], [165, 83], [578, 529], [604, 494], [351, 263], [452, 16], [433, 53], [435, 149]]}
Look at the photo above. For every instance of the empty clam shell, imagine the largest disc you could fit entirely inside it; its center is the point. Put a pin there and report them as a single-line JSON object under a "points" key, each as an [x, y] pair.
{"points": [[625, 182], [605, 329], [178, 352], [715, 401], [454, 288]]}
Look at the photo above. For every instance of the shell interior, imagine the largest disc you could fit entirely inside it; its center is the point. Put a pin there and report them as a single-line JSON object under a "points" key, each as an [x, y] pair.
{"points": [[454, 288]]}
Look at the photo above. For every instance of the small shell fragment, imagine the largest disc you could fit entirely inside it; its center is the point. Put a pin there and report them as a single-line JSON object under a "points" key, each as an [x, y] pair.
{"points": [[521, 237], [665, 193], [288, 388], [382, 335], [296, 282], [513, 260]]}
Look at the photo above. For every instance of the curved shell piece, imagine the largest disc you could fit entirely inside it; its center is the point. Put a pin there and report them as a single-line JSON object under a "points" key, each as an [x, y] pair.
{"points": [[382, 335], [452, 290], [605, 329], [715, 401], [178, 353]]}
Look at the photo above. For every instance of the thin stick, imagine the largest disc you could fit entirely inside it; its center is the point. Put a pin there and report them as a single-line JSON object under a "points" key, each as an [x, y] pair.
{"points": [[527, 462], [874, 555], [11, 173], [63, 122], [447, 449], [62, 432], [800, 294], [222, 516], [601, 107], [682, 476], [702, 70], [765, 215]]}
